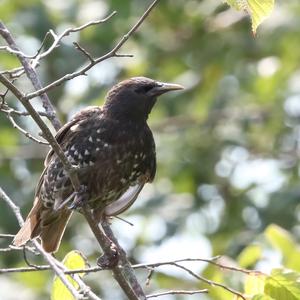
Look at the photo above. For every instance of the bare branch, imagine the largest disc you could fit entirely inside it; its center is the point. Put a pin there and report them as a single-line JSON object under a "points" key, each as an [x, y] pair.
{"points": [[84, 51], [179, 292], [25, 269], [12, 51], [212, 261], [83, 70], [59, 273], [23, 131], [5, 109], [210, 282], [126, 269], [58, 38], [46, 132], [55, 265], [6, 235], [14, 208], [14, 73], [32, 75], [118, 271]]}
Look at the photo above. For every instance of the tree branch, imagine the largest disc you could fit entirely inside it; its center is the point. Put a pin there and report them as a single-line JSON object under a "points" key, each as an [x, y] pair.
{"points": [[126, 269], [32, 75], [71, 170], [51, 260], [23, 131], [83, 70], [180, 292], [134, 292]]}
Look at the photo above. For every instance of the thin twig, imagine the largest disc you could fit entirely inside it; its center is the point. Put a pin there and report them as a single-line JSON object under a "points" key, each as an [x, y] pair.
{"points": [[148, 266], [58, 272], [32, 75], [6, 235], [53, 263], [14, 208], [83, 70], [58, 38], [25, 269], [23, 131], [84, 51], [179, 292], [212, 261], [14, 73], [6, 110], [210, 282], [46, 131], [149, 276]]}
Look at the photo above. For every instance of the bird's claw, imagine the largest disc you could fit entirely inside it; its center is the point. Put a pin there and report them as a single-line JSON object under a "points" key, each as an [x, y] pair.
{"points": [[80, 199], [109, 260]]}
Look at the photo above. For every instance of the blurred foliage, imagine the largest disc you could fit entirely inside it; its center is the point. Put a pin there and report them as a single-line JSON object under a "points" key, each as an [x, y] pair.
{"points": [[72, 261], [227, 146], [257, 9]]}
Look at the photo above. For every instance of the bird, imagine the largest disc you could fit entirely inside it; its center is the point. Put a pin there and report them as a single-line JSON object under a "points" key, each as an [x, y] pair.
{"points": [[114, 152]]}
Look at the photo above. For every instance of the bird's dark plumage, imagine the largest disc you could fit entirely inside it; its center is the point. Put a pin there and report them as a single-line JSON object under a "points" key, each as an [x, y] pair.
{"points": [[113, 148]]}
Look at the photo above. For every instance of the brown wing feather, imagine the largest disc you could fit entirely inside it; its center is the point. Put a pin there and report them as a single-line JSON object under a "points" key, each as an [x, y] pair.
{"points": [[45, 222], [30, 226], [65, 130]]}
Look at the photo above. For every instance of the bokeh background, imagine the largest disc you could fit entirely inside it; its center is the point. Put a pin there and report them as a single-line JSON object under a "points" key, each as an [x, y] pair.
{"points": [[227, 146]]}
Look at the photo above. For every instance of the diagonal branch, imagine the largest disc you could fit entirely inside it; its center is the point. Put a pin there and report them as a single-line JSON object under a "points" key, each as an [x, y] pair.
{"points": [[32, 75], [23, 131], [133, 292], [111, 53], [179, 292], [46, 131], [51, 260]]}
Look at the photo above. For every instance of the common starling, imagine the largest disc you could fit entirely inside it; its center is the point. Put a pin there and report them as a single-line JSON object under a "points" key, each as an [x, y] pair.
{"points": [[114, 150]]}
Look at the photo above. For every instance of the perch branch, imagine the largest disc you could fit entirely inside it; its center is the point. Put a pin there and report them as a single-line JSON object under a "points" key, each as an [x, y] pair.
{"points": [[127, 269], [118, 270]]}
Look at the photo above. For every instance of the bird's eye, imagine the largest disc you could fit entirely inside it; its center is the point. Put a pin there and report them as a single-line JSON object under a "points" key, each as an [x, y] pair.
{"points": [[144, 89]]}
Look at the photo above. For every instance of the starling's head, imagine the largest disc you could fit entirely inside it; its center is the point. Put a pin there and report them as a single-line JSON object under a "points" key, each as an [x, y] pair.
{"points": [[134, 98]]}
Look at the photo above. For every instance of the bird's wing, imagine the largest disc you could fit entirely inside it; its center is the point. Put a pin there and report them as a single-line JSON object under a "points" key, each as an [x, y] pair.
{"points": [[125, 201], [102, 149], [84, 114]]}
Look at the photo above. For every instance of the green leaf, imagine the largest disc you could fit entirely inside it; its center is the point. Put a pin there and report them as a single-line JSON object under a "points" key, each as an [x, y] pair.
{"points": [[249, 256], [73, 260], [283, 284], [238, 4], [262, 297], [280, 239], [254, 284], [259, 10], [284, 242], [293, 261]]}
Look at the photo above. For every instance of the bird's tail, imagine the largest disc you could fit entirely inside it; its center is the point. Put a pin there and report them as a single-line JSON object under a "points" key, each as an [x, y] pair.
{"points": [[46, 223]]}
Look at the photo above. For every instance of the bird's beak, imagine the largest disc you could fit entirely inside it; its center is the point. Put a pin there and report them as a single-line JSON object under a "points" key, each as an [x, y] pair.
{"points": [[164, 87]]}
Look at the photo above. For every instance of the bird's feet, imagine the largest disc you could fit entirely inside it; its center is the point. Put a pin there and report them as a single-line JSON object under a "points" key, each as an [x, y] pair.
{"points": [[109, 260], [80, 199]]}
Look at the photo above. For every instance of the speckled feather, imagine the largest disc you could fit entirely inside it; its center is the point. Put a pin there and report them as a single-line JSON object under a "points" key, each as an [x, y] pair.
{"points": [[111, 156]]}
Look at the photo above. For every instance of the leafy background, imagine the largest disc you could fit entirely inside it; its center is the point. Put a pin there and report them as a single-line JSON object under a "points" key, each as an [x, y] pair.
{"points": [[228, 146]]}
